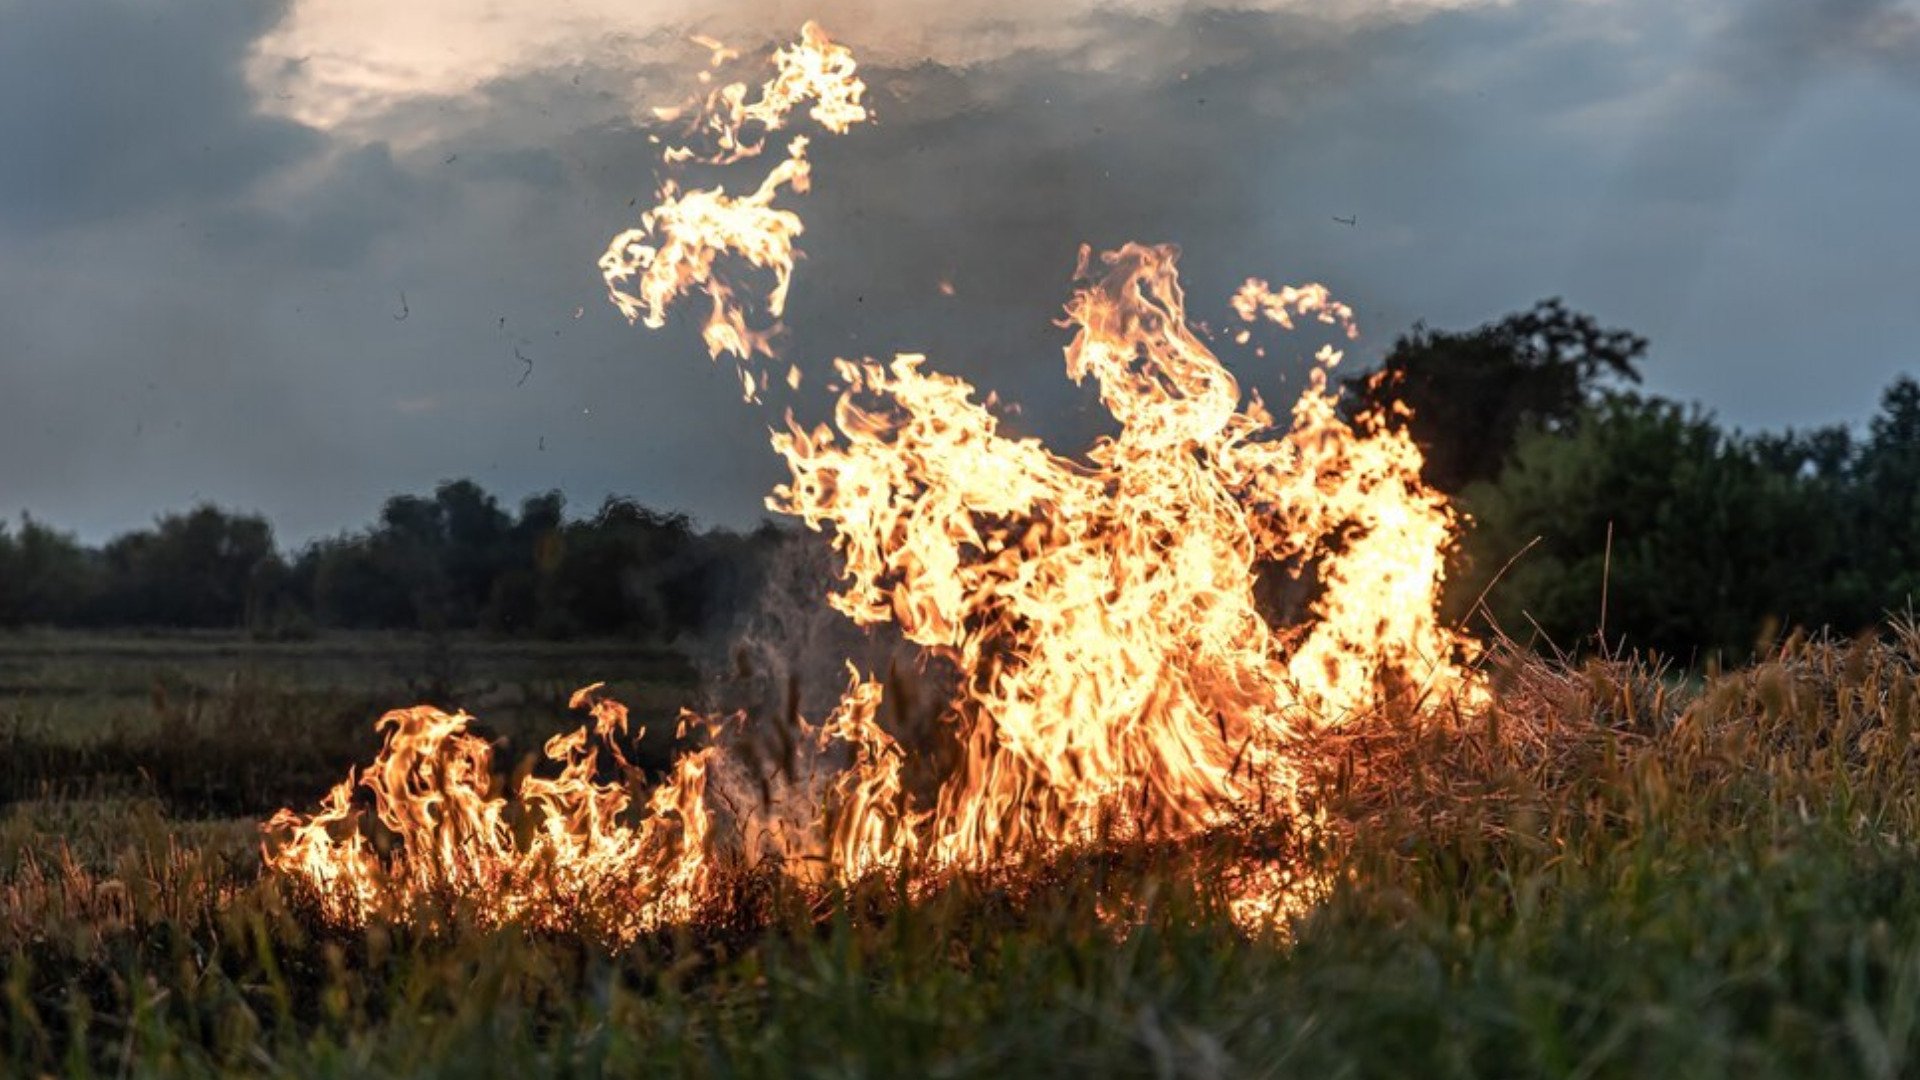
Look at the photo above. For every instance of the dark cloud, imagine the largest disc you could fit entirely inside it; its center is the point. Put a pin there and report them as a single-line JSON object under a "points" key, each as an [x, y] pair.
{"points": [[1752, 67], [109, 110], [329, 221], [1770, 42], [228, 322], [1727, 227]]}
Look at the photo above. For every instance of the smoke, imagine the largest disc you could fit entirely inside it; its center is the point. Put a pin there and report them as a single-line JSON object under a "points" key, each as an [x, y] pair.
{"points": [[787, 652], [789, 656]]}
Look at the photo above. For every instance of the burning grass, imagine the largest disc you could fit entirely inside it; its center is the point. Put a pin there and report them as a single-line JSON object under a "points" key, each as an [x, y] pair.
{"points": [[1170, 834], [1608, 870], [1100, 610]]}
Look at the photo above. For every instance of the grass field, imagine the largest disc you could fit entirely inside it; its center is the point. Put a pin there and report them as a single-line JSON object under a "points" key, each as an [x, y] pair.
{"points": [[1612, 872]]}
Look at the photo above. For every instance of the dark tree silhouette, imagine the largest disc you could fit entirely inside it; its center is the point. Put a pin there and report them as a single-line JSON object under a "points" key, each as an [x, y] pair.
{"points": [[1473, 393], [194, 570], [46, 576]]}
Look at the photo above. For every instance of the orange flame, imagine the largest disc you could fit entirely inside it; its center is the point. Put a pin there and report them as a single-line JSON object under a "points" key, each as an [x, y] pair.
{"points": [[675, 249], [1116, 664]]}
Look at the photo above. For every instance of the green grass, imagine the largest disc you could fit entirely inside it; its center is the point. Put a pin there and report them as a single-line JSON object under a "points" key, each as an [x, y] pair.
{"points": [[1612, 872], [218, 725]]}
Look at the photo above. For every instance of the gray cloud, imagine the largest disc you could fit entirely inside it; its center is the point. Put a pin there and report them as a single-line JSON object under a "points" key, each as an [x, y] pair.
{"points": [[111, 110], [1780, 41], [177, 325]]}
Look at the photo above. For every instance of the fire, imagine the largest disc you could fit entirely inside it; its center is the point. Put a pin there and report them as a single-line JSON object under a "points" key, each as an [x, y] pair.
{"points": [[457, 841], [1101, 609], [675, 250]]}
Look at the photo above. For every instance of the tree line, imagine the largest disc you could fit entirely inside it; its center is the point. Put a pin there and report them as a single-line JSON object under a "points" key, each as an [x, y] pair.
{"points": [[452, 560], [1597, 513], [1599, 510]]}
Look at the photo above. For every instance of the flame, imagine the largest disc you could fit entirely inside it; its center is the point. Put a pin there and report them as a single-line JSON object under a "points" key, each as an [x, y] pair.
{"points": [[1104, 609], [1257, 300], [430, 788], [675, 250], [1116, 665]]}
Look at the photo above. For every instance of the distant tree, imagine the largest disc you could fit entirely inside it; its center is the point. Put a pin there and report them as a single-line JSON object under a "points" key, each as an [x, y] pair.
{"points": [[276, 605], [616, 571], [1474, 393], [354, 587], [450, 561], [1717, 540], [406, 549], [474, 548], [457, 561], [1887, 515], [46, 576], [731, 573], [195, 569], [520, 598]]}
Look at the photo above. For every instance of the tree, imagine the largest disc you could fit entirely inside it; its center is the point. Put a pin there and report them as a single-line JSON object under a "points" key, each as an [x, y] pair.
{"points": [[521, 596], [1887, 514], [46, 576], [354, 587], [195, 569], [1713, 544], [474, 548], [450, 561], [1473, 394], [617, 572]]}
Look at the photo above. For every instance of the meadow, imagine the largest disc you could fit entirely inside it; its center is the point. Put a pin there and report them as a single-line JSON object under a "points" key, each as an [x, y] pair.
{"points": [[1612, 870]]}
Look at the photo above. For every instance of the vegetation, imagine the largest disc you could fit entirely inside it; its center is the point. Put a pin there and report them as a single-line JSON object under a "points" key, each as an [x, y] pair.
{"points": [[1474, 393], [1594, 508], [1622, 863], [447, 562], [1706, 544], [1606, 873]]}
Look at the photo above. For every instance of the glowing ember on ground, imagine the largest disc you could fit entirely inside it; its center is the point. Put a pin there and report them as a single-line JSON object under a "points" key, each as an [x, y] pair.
{"points": [[1100, 609]]}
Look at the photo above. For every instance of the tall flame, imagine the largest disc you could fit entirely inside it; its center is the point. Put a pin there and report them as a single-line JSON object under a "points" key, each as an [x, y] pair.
{"points": [[1102, 610]]}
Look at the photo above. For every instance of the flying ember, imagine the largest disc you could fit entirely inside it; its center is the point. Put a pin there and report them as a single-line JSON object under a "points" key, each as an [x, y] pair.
{"points": [[1100, 609]]}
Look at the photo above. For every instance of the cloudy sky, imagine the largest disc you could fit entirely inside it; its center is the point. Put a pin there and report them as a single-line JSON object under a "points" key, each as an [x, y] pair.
{"points": [[290, 258]]}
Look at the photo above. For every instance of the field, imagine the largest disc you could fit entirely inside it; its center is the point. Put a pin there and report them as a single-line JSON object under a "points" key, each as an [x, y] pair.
{"points": [[1612, 871]]}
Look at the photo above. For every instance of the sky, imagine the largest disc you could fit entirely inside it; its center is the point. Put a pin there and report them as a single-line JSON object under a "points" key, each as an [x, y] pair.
{"points": [[294, 258]]}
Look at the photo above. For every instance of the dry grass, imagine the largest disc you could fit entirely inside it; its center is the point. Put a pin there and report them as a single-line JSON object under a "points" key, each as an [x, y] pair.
{"points": [[1614, 870]]}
